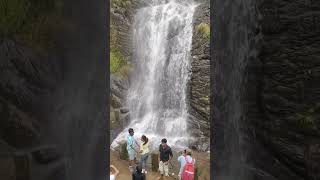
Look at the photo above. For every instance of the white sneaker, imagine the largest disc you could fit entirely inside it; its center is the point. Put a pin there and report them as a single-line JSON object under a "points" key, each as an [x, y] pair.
{"points": [[145, 172]]}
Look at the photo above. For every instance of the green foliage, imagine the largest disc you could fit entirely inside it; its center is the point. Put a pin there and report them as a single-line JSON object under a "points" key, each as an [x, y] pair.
{"points": [[117, 61], [120, 3], [31, 22], [205, 99], [307, 119], [204, 28]]}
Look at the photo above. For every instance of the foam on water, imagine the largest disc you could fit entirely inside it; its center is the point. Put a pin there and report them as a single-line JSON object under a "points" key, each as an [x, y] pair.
{"points": [[157, 97]]}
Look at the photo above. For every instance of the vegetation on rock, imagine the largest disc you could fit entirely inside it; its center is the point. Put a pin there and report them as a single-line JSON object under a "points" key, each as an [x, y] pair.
{"points": [[31, 23], [120, 3], [119, 64], [204, 28]]}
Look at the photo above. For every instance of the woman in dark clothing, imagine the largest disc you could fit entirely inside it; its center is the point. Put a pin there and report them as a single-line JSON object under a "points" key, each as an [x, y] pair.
{"points": [[138, 175]]}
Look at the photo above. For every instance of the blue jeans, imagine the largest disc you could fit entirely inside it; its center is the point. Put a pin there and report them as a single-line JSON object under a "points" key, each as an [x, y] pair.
{"points": [[143, 160]]}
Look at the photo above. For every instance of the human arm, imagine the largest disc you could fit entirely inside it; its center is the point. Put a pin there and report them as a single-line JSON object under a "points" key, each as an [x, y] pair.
{"points": [[115, 169], [170, 155]]}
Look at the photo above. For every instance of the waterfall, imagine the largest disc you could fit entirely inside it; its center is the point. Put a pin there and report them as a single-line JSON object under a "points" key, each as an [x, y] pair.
{"points": [[157, 98]]}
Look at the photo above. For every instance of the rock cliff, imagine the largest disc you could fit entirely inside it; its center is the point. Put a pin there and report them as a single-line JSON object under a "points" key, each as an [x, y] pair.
{"points": [[266, 90]]}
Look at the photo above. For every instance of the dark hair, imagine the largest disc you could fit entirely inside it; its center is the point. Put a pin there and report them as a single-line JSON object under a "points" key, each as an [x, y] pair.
{"points": [[145, 139], [138, 168], [164, 140], [130, 130]]}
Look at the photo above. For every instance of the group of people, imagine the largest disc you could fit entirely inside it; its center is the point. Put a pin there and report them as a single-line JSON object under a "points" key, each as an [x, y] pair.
{"points": [[164, 159]]}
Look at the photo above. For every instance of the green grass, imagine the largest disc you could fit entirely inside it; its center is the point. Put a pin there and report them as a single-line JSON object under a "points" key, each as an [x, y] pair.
{"points": [[204, 28]]}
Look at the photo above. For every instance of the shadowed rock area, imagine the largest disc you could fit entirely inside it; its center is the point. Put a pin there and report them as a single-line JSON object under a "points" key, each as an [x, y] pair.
{"points": [[52, 95], [266, 93]]}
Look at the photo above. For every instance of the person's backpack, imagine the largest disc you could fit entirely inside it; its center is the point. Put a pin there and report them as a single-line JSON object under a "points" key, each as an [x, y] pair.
{"points": [[138, 176], [188, 170]]}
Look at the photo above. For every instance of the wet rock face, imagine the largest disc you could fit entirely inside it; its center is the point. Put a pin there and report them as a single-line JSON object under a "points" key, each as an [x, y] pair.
{"points": [[269, 127], [25, 79], [52, 103], [119, 113], [199, 85], [288, 87]]}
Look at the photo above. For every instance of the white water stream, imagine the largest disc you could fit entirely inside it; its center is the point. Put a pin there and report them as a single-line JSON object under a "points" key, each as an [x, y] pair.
{"points": [[157, 98]]}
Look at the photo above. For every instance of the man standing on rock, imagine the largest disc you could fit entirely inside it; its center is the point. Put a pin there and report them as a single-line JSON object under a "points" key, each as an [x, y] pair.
{"points": [[131, 142], [164, 158]]}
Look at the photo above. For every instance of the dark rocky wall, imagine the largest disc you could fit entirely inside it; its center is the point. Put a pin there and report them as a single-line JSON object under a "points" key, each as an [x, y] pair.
{"points": [[266, 90], [52, 104]]}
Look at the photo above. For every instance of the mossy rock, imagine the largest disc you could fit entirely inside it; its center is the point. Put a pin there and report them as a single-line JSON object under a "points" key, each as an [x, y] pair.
{"points": [[117, 60], [154, 162], [123, 151], [205, 99], [196, 171], [120, 3], [204, 28], [32, 23]]}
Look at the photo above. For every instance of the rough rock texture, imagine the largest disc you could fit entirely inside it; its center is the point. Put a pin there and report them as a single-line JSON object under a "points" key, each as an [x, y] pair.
{"points": [[120, 23], [199, 85], [121, 20], [266, 90], [119, 114], [52, 104]]}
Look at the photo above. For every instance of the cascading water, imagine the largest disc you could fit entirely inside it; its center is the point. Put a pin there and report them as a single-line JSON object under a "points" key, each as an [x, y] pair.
{"points": [[157, 98]]}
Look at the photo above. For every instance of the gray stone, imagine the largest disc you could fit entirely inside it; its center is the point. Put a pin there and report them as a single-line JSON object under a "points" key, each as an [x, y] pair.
{"points": [[124, 110]]}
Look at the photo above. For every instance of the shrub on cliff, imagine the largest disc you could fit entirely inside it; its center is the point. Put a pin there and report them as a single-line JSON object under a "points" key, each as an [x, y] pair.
{"points": [[119, 64], [204, 28]]}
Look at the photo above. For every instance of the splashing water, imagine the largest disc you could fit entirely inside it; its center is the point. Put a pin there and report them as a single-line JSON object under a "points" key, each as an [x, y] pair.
{"points": [[157, 98]]}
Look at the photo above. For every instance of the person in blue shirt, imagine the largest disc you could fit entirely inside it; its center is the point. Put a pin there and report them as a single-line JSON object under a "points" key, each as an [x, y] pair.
{"points": [[131, 148], [186, 154]]}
